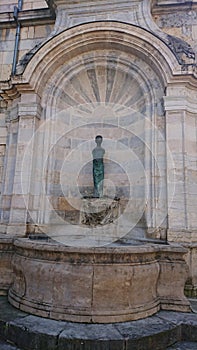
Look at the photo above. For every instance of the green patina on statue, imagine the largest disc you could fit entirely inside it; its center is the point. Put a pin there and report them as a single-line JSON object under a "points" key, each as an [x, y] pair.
{"points": [[98, 167]]}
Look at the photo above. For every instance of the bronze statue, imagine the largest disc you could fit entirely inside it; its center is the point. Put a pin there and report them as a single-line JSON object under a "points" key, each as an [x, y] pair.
{"points": [[98, 167]]}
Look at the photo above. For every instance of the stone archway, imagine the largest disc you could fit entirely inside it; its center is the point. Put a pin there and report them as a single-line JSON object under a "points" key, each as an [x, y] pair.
{"points": [[47, 110], [108, 65]]}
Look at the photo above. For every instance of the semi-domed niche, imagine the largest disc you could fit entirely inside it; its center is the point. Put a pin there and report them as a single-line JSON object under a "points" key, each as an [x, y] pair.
{"points": [[102, 82], [118, 95]]}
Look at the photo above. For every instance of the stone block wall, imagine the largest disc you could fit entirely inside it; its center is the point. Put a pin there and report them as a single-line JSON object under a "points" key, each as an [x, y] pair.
{"points": [[30, 37], [6, 268], [8, 5], [109, 71], [32, 33], [178, 19]]}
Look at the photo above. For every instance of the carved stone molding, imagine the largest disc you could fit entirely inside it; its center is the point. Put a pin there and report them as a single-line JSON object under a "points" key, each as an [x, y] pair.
{"points": [[183, 51]]}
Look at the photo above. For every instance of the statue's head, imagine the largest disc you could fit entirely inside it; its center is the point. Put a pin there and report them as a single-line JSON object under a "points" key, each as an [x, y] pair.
{"points": [[98, 140]]}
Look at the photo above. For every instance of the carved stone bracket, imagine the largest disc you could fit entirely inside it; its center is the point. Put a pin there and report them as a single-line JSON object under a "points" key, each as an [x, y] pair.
{"points": [[100, 211], [182, 50]]}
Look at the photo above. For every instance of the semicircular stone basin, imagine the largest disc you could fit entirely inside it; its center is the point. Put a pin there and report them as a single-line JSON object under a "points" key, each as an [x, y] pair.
{"points": [[110, 284]]}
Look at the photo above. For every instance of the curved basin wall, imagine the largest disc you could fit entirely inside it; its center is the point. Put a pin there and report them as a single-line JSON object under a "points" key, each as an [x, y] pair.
{"points": [[97, 285]]}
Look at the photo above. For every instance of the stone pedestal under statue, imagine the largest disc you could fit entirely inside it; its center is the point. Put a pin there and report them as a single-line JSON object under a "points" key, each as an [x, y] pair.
{"points": [[99, 211]]}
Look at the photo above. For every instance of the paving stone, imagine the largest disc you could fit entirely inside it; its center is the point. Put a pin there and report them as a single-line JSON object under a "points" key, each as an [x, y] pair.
{"points": [[6, 346], [91, 336], [35, 333], [178, 317], [150, 333], [188, 322], [165, 330], [8, 313], [184, 346], [193, 303]]}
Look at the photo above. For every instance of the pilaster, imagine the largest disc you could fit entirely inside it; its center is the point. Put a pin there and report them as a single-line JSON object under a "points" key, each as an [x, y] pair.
{"points": [[181, 140], [181, 135], [23, 124]]}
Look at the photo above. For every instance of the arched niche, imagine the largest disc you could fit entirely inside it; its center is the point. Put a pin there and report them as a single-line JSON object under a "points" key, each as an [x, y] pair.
{"points": [[87, 37], [108, 78]]}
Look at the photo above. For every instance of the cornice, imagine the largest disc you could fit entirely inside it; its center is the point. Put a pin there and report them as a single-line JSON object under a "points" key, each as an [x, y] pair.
{"points": [[171, 6], [8, 91], [28, 17], [181, 97], [13, 88]]}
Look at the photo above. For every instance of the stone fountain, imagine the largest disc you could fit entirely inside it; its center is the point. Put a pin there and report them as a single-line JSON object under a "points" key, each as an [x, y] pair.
{"points": [[87, 250], [98, 276]]}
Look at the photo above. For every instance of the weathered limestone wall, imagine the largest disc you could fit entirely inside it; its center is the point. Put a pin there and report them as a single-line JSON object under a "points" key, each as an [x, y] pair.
{"points": [[30, 37], [32, 33], [8, 5], [92, 72], [182, 142], [6, 267], [180, 21], [182, 184], [105, 105]]}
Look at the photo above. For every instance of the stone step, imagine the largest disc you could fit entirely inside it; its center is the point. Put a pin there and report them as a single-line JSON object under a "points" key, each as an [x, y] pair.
{"points": [[193, 303], [6, 346], [184, 346], [177, 346], [159, 332]]}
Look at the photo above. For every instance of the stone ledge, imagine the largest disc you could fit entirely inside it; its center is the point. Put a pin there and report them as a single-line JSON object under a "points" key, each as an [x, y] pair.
{"points": [[27, 17], [183, 346], [161, 331], [7, 346], [170, 6]]}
